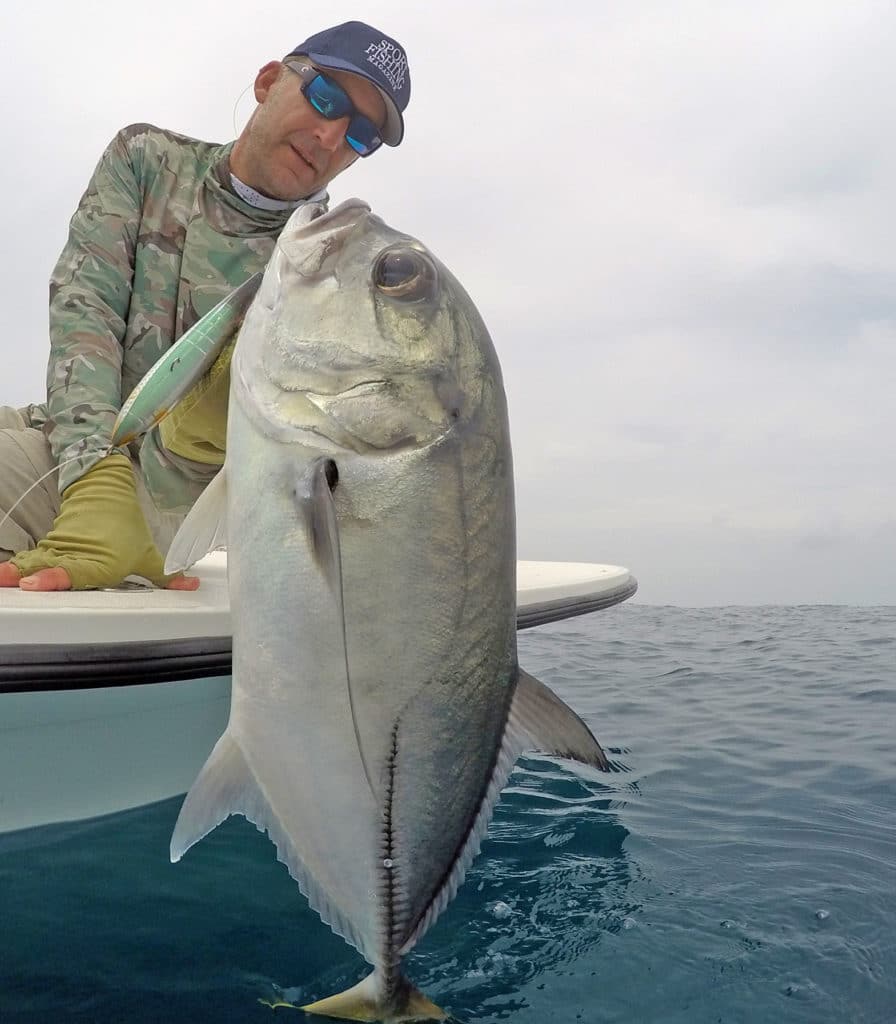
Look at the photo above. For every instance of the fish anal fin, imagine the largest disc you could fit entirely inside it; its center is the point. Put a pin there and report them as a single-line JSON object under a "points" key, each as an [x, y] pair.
{"points": [[542, 721], [204, 529], [228, 785], [220, 789], [367, 1001]]}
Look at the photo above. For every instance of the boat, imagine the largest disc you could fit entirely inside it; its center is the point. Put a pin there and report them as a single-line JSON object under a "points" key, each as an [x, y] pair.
{"points": [[113, 699]]}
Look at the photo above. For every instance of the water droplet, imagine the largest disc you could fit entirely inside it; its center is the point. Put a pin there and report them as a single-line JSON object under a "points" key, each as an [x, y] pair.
{"points": [[822, 915], [388, 863]]}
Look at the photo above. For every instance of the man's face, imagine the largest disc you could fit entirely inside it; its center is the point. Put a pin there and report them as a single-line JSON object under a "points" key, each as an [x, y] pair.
{"points": [[288, 150]]}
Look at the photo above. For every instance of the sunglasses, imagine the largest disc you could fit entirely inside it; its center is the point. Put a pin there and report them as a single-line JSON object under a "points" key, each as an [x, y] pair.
{"points": [[331, 101]]}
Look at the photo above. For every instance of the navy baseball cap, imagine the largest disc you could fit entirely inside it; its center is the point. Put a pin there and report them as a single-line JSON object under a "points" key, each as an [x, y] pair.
{"points": [[365, 51]]}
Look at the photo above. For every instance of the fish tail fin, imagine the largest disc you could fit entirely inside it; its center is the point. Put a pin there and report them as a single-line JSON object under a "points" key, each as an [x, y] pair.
{"points": [[219, 791], [368, 1000]]}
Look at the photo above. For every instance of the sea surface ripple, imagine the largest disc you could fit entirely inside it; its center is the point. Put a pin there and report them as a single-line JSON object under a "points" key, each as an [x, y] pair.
{"points": [[739, 866]]}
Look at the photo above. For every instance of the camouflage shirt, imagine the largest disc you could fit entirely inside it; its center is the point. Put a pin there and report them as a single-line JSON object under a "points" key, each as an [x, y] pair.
{"points": [[158, 238]]}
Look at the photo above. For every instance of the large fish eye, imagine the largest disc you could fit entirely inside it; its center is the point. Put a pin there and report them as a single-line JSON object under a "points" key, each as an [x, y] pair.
{"points": [[405, 274]]}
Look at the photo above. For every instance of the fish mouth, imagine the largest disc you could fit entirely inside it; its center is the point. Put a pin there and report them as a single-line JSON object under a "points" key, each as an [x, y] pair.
{"points": [[346, 215], [310, 244]]}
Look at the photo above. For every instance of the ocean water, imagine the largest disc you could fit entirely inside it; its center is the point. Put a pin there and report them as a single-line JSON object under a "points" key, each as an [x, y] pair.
{"points": [[741, 868]]}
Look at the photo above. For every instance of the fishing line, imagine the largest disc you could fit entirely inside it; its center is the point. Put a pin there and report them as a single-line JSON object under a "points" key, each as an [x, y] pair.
{"points": [[236, 104], [102, 451]]}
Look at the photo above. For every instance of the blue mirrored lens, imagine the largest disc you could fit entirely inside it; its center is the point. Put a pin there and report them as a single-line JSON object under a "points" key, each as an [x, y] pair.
{"points": [[328, 98], [331, 101], [363, 135]]}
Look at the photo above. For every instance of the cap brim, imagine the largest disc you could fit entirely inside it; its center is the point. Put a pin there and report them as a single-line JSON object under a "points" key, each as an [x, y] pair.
{"points": [[393, 130]]}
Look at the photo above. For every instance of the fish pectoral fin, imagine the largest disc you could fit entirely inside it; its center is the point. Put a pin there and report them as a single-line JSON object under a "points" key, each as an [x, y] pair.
{"points": [[540, 720], [205, 527], [314, 495], [225, 786], [367, 1001]]}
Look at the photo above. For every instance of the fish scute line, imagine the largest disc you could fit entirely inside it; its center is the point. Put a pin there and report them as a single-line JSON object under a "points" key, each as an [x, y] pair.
{"points": [[388, 872], [468, 848]]}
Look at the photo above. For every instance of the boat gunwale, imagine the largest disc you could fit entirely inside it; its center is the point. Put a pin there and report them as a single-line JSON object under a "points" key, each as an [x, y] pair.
{"points": [[28, 668]]}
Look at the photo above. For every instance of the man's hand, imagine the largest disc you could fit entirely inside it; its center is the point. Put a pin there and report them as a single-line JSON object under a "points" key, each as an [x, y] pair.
{"points": [[99, 538], [57, 578]]}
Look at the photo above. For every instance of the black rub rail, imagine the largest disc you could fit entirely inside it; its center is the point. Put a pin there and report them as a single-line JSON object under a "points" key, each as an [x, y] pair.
{"points": [[27, 668]]}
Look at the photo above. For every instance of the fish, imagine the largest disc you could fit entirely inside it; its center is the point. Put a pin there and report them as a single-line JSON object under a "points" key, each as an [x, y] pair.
{"points": [[367, 502]]}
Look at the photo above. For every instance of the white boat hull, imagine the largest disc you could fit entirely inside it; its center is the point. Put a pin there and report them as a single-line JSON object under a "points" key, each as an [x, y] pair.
{"points": [[84, 733]]}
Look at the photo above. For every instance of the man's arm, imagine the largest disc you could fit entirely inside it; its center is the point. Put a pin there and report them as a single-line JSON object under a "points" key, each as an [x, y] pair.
{"points": [[90, 292], [100, 535]]}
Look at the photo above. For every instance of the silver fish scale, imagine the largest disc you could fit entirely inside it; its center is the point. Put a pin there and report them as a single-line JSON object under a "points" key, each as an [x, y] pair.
{"points": [[428, 560], [377, 706], [441, 775]]}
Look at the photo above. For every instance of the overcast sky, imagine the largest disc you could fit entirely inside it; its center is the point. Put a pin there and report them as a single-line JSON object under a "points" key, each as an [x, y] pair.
{"points": [[676, 218]]}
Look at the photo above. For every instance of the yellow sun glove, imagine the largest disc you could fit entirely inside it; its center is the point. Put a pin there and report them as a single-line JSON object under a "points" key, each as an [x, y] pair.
{"points": [[100, 535], [196, 428]]}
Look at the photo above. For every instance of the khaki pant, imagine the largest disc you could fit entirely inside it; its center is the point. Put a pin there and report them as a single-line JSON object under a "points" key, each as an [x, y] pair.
{"points": [[25, 457]]}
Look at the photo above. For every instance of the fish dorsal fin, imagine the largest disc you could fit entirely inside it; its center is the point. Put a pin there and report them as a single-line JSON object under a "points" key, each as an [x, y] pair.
{"points": [[227, 785], [204, 529], [540, 720], [509, 750], [314, 494], [537, 720]]}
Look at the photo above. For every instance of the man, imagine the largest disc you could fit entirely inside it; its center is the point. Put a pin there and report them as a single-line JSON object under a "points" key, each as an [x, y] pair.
{"points": [[167, 227]]}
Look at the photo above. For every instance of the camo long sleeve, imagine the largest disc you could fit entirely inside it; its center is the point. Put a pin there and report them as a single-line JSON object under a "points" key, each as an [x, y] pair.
{"points": [[158, 239], [90, 292]]}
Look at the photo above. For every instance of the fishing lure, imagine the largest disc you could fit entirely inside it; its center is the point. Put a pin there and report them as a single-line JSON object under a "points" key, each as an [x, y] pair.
{"points": [[188, 359], [172, 376]]}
